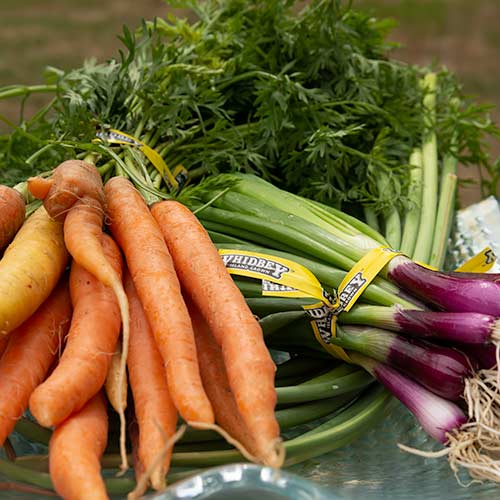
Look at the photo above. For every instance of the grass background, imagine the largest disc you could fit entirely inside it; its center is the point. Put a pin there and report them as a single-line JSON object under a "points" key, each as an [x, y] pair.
{"points": [[460, 34]]}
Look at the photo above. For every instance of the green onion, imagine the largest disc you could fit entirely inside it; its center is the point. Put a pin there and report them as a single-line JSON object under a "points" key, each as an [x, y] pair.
{"points": [[33, 431], [412, 216], [446, 211], [430, 174]]}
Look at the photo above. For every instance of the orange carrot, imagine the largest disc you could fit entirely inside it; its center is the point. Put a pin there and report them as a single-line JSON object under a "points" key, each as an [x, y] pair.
{"points": [[12, 212], [91, 341], [31, 350], [158, 288], [75, 450], [249, 365], [30, 269], [3, 345], [214, 377], [155, 412], [71, 181], [74, 194]]}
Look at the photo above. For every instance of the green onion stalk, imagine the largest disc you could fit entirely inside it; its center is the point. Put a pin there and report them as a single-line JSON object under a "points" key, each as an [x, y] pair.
{"points": [[411, 219], [429, 174], [249, 208]]}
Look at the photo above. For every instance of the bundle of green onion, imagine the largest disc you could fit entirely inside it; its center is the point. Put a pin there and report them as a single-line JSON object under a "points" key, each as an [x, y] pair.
{"points": [[410, 328]]}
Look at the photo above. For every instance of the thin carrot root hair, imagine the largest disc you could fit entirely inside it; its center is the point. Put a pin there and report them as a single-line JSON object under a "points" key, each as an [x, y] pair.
{"points": [[217, 428], [133, 433], [142, 484], [122, 370], [82, 201], [69, 182], [116, 285]]}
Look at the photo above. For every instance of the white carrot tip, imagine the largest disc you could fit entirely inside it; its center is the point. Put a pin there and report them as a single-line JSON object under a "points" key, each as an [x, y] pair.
{"points": [[275, 457]]}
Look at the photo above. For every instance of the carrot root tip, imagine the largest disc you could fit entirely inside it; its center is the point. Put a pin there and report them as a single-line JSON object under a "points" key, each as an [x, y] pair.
{"points": [[275, 458], [146, 476]]}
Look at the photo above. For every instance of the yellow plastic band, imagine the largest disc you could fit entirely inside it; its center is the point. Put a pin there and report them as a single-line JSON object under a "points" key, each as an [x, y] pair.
{"points": [[291, 279], [324, 325], [350, 289], [181, 175], [114, 136], [285, 278], [427, 266], [362, 274], [480, 263]]}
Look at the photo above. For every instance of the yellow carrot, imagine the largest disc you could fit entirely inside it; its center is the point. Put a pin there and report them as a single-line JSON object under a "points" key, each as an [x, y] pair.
{"points": [[30, 269]]}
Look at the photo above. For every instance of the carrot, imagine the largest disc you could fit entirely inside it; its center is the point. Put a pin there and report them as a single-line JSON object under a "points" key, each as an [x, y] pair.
{"points": [[155, 412], [71, 181], [30, 269], [12, 212], [3, 344], [158, 288], [75, 449], [214, 377], [91, 341], [74, 194], [249, 365], [31, 350]]}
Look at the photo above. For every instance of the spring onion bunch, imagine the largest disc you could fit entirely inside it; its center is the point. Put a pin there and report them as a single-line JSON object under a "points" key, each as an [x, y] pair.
{"points": [[245, 210]]}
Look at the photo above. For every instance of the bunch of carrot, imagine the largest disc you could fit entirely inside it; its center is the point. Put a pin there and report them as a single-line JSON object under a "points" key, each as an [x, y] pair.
{"points": [[95, 282]]}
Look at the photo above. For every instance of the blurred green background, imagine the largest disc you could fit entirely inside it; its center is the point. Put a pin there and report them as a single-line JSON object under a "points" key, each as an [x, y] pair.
{"points": [[460, 34]]}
